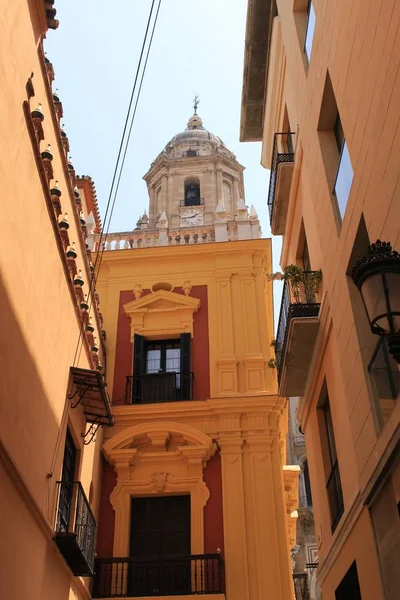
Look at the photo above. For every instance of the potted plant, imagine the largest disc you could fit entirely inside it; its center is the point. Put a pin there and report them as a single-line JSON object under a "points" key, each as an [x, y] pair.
{"points": [[47, 154], [78, 279], [84, 303], [90, 326], [55, 190], [95, 348], [294, 276], [56, 97], [71, 252], [63, 222], [38, 113]]}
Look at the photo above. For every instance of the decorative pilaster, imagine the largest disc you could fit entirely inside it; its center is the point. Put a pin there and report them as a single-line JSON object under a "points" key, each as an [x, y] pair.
{"points": [[219, 184], [270, 537], [227, 363], [235, 194], [164, 193], [220, 225], [236, 565], [152, 206]]}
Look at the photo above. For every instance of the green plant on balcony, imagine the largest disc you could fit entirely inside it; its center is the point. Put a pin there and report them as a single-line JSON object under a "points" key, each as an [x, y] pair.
{"points": [[295, 277], [271, 364], [298, 279], [312, 282]]}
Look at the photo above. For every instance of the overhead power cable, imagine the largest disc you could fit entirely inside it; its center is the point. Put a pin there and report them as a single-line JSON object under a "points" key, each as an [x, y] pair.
{"points": [[123, 148]]}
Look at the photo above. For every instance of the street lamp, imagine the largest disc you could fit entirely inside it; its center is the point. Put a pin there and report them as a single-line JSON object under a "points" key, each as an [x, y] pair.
{"points": [[377, 276]]}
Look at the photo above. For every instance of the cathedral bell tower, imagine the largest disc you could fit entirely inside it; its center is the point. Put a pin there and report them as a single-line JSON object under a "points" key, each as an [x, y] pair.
{"points": [[196, 191]]}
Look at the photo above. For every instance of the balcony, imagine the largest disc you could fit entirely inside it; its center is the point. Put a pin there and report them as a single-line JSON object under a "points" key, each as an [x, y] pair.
{"points": [[301, 588], [75, 533], [163, 576], [282, 165], [151, 388], [297, 331]]}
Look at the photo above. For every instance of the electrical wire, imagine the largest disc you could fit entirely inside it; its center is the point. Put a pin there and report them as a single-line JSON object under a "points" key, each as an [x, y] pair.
{"points": [[119, 166]]}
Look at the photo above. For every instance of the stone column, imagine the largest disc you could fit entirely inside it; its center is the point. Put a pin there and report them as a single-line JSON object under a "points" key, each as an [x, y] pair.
{"points": [[164, 193], [274, 580], [219, 185], [235, 194], [152, 206], [273, 576], [236, 571]]}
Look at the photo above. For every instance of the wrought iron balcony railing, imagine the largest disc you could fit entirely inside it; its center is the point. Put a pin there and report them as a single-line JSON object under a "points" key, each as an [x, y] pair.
{"points": [[161, 576], [76, 528], [301, 587], [298, 300], [151, 388], [335, 495], [282, 152]]}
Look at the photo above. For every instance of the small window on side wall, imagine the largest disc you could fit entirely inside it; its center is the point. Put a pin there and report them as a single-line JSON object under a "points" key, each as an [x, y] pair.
{"points": [[308, 42], [384, 374], [334, 149]]}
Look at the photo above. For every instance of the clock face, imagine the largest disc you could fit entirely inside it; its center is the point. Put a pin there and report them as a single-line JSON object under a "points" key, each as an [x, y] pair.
{"points": [[191, 216]]}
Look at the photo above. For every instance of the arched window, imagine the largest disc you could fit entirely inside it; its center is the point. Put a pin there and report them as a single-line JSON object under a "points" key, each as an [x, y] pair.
{"points": [[192, 192]]}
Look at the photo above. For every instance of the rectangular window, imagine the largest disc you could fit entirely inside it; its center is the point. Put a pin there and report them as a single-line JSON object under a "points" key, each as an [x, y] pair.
{"points": [[66, 485], [344, 179], [310, 30], [349, 587], [163, 356], [333, 483], [161, 370], [385, 380], [334, 148]]}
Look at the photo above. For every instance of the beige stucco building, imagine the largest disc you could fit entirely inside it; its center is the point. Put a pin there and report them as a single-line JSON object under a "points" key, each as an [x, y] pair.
{"points": [[321, 91], [177, 486]]}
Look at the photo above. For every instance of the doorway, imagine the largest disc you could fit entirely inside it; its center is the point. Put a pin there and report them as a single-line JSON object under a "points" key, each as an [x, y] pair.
{"points": [[160, 546]]}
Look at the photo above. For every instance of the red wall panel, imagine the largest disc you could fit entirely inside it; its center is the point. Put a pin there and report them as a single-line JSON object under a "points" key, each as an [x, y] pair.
{"points": [[213, 512], [105, 533], [200, 347]]}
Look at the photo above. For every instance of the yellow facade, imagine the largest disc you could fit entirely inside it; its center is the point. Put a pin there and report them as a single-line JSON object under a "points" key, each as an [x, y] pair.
{"points": [[243, 416]]}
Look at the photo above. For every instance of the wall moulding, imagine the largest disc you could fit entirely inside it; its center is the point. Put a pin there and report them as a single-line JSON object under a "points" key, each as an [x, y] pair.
{"points": [[158, 458], [150, 314]]}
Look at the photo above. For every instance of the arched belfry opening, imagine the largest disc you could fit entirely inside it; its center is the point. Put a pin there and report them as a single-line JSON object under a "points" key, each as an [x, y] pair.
{"points": [[192, 196]]}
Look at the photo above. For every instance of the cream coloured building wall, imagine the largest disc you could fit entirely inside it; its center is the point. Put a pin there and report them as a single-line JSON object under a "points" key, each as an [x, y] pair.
{"points": [[39, 324], [358, 44]]}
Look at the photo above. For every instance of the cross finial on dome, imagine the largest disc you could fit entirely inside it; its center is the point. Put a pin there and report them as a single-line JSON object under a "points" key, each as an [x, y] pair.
{"points": [[196, 103]]}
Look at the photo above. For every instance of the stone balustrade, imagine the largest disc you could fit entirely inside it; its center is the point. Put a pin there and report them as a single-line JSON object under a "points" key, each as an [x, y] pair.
{"points": [[126, 240], [221, 231]]}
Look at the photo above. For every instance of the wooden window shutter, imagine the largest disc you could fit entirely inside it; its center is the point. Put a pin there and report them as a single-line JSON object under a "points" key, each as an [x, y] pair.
{"points": [[138, 366], [185, 367]]}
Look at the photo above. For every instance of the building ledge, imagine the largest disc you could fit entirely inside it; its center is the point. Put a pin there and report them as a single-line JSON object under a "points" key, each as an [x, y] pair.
{"points": [[186, 597], [260, 14]]}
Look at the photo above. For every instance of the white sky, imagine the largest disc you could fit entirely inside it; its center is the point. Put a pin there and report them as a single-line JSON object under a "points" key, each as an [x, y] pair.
{"points": [[198, 47]]}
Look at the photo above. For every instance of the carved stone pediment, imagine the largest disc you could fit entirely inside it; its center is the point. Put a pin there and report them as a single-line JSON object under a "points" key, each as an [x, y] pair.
{"points": [[162, 313]]}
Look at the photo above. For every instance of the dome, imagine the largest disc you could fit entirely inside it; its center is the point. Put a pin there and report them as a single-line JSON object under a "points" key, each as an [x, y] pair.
{"points": [[195, 137]]}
